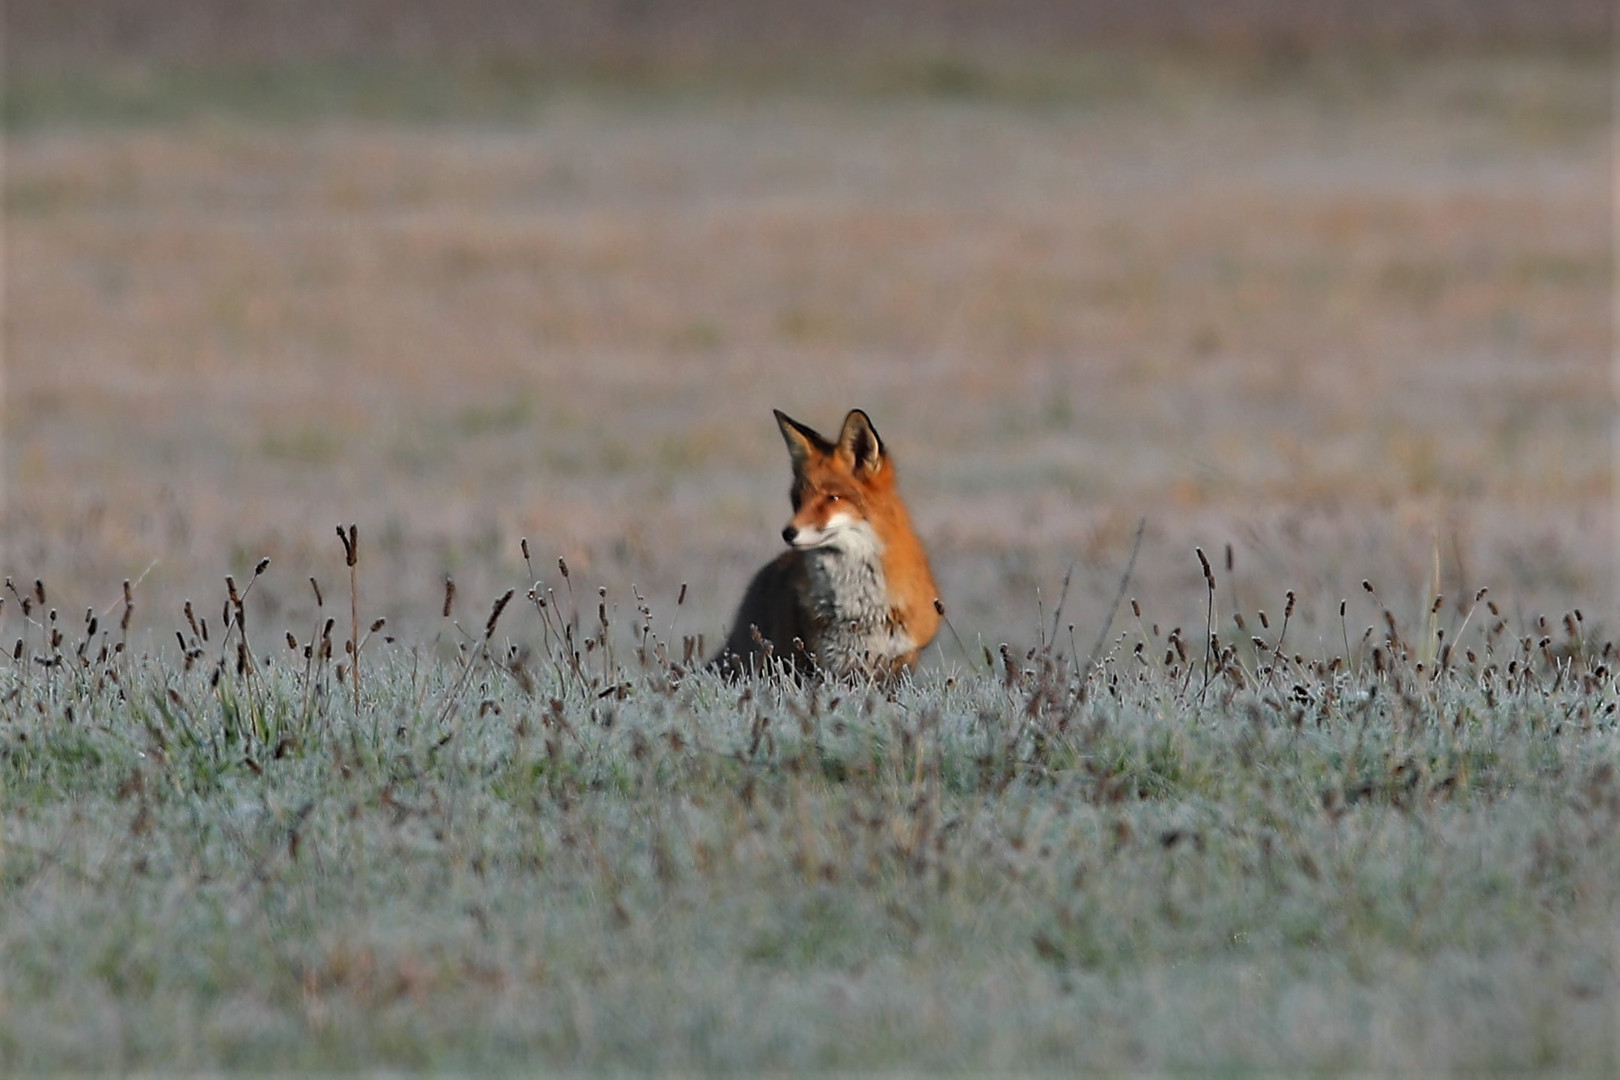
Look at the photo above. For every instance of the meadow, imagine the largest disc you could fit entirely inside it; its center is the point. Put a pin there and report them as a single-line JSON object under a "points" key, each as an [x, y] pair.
{"points": [[1351, 320], [1182, 853], [1257, 414]]}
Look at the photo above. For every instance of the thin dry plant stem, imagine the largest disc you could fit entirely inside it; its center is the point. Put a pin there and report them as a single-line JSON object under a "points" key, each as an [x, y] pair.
{"points": [[939, 608], [1209, 619], [1119, 595], [1277, 658], [351, 555], [1057, 612], [442, 711]]}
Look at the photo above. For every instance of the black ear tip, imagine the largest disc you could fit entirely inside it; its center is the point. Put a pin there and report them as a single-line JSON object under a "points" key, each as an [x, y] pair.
{"points": [[858, 424]]}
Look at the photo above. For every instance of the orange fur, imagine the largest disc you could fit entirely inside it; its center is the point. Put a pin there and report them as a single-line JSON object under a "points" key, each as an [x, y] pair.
{"points": [[854, 594]]}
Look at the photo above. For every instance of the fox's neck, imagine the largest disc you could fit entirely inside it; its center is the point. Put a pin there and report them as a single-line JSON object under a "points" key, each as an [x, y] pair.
{"points": [[846, 579], [849, 604]]}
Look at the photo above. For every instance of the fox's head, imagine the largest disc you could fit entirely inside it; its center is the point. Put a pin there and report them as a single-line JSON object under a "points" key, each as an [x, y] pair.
{"points": [[835, 484]]}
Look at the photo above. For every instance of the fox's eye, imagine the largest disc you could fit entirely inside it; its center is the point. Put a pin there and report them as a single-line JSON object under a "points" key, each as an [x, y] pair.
{"points": [[833, 498]]}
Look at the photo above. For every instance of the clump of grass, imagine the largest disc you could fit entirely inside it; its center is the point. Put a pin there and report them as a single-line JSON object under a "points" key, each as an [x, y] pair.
{"points": [[563, 841]]}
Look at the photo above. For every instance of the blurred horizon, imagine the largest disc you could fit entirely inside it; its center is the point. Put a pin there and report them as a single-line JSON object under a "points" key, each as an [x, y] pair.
{"points": [[705, 39], [1329, 283], [67, 31]]}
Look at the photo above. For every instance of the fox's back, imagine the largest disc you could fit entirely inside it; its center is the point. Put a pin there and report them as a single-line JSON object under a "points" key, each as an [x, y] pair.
{"points": [[770, 621]]}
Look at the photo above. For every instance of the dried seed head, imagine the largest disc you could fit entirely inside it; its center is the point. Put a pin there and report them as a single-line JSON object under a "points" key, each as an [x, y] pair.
{"points": [[1288, 612], [292, 642], [264, 564], [378, 625], [129, 596], [320, 601], [449, 596], [523, 542], [1439, 601], [39, 592], [562, 564], [1203, 560], [230, 588], [1265, 623], [495, 614], [1228, 558]]}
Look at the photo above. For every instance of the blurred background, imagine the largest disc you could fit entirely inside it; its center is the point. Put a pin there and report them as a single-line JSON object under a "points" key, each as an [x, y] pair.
{"points": [[1326, 286]]}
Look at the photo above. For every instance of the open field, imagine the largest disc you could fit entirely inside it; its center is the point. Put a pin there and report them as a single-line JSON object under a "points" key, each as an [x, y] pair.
{"points": [[1353, 321], [1328, 318], [584, 858]]}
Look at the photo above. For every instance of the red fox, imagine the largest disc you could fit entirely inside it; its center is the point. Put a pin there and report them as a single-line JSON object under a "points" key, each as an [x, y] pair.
{"points": [[853, 595]]}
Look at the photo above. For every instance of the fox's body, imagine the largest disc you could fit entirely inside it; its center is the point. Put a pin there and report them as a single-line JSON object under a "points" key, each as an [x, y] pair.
{"points": [[853, 594]]}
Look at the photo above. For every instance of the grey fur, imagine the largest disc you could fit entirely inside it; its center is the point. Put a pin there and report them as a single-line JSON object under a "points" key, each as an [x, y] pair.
{"points": [[849, 603]]}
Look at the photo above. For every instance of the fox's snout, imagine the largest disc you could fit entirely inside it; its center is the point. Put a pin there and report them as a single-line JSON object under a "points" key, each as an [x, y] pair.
{"points": [[807, 537], [815, 533]]}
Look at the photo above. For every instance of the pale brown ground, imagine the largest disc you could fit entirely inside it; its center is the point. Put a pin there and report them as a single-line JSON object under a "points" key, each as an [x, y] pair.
{"points": [[1349, 322]]}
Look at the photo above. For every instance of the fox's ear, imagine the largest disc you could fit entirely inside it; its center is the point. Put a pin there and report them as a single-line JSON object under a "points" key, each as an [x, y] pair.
{"points": [[803, 443], [860, 441]]}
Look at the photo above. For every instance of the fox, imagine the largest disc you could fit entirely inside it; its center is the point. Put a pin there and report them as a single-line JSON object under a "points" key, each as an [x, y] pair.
{"points": [[853, 596]]}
